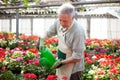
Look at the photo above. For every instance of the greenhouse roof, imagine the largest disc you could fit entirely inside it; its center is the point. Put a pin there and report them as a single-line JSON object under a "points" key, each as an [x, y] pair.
{"points": [[87, 8], [113, 11]]}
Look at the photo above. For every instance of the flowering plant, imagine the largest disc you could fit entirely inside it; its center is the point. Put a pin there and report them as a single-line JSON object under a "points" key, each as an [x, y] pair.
{"points": [[102, 61], [20, 57], [104, 46], [101, 67], [52, 43], [23, 62]]}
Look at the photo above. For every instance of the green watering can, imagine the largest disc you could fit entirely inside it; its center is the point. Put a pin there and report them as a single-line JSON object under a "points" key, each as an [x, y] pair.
{"points": [[46, 56]]}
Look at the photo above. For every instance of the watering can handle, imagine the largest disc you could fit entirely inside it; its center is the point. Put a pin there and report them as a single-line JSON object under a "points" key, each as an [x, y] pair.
{"points": [[40, 44]]}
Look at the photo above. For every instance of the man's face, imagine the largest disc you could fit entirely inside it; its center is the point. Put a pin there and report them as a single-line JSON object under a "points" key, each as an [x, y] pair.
{"points": [[65, 20]]}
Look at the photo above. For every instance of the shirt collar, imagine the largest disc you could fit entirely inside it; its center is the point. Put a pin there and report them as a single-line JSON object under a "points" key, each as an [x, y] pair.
{"points": [[64, 29]]}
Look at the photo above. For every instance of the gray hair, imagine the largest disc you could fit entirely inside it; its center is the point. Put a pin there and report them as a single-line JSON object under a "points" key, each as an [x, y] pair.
{"points": [[67, 8]]}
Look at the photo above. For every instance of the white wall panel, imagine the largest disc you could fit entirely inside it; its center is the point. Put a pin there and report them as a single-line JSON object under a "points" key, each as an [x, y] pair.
{"points": [[113, 28], [25, 26], [13, 25], [5, 25], [83, 23], [101, 28]]}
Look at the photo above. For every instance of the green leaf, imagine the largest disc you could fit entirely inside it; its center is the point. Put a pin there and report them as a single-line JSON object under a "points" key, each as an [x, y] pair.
{"points": [[6, 2], [37, 1], [8, 75], [25, 2]]}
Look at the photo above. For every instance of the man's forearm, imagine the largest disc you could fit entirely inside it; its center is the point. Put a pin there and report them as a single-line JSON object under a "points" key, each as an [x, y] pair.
{"points": [[70, 60]]}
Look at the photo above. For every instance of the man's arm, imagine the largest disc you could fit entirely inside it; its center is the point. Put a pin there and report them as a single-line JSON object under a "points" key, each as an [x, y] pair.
{"points": [[70, 60]]}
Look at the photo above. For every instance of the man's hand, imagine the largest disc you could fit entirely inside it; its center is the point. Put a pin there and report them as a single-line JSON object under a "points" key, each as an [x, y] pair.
{"points": [[57, 64]]}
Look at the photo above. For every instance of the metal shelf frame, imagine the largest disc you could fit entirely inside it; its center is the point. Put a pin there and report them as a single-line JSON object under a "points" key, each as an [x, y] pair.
{"points": [[53, 5]]}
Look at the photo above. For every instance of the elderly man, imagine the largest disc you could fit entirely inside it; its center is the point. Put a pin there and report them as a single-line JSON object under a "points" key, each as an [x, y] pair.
{"points": [[71, 43]]}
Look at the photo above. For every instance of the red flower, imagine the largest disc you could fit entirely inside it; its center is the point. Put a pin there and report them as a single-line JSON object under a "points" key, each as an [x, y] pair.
{"points": [[30, 76], [33, 37], [2, 54], [97, 79], [113, 71], [53, 51], [88, 60], [51, 77], [100, 72], [3, 68], [33, 50], [114, 78], [51, 41], [118, 59]]}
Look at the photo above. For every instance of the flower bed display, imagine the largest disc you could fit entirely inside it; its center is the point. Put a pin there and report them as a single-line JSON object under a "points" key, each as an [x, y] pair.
{"points": [[19, 58], [102, 60]]}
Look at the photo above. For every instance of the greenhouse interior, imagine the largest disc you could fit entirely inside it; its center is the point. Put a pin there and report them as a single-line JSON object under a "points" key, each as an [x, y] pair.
{"points": [[24, 55]]}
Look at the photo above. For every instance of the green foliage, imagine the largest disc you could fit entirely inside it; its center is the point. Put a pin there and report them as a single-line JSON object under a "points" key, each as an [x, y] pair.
{"points": [[29, 56], [1, 65], [26, 44], [15, 67], [16, 2], [12, 44], [8, 75], [39, 70], [25, 2], [3, 43], [16, 54], [6, 2]]}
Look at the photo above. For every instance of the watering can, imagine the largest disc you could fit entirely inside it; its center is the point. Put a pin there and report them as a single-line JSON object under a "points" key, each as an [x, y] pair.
{"points": [[47, 58]]}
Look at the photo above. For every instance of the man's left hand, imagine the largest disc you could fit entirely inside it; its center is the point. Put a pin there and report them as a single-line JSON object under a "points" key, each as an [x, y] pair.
{"points": [[57, 64]]}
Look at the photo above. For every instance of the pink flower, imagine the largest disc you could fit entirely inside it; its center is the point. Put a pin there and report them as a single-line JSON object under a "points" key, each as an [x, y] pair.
{"points": [[1, 49], [102, 51], [24, 62], [24, 53], [19, 59], [36, 62], [30, 61]]}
